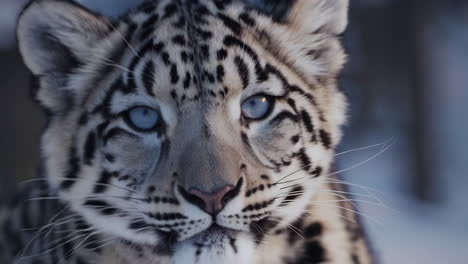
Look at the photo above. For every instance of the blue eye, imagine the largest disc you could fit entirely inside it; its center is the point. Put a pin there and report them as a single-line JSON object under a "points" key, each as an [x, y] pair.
{"points": [[142, 118], [257, 107]]}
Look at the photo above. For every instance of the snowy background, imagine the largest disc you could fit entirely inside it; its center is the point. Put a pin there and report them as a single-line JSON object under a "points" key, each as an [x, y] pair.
{"points": [[407, 81]]}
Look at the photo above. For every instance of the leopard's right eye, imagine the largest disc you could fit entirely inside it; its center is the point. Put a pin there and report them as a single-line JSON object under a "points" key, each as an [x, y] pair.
{"points": [[142, 118], [257, 107]]}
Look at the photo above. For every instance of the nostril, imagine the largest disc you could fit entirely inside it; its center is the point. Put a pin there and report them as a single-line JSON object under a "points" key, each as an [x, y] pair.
{"points": [[192, 198]]}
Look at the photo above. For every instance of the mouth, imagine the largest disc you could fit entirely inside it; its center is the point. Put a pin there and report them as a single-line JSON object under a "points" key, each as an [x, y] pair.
{"points": [[210, 236], [214, 233]]}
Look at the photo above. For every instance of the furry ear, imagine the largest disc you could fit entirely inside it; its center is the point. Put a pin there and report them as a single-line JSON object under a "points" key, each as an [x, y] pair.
{"points": [[325, 16], [54, 38], [306, 15], [307, 37]]}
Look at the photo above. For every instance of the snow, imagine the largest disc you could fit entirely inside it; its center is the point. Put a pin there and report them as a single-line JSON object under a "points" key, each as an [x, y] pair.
{"points": [[415, 233]]}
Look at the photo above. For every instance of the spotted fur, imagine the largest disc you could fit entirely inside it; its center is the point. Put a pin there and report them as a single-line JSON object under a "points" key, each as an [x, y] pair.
{"points": [[113, 194]]}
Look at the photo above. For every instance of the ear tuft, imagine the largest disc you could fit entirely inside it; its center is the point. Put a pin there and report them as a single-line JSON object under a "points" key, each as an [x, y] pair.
{"points": [[324, 16], [54, 36]]}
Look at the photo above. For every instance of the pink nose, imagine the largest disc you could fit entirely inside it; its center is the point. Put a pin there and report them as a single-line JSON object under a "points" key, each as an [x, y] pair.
{"points": [[213, 202]]}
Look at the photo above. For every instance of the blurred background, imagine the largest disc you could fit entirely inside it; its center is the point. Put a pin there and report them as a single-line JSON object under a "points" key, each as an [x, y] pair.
{"points": [[407, 81]]}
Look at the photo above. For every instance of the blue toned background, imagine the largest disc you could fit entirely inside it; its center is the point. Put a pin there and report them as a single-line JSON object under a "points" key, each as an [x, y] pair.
{"points": [[407, 81]]}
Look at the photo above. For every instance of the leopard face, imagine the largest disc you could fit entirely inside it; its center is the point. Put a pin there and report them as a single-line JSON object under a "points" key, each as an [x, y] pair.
{"points": [[196, 127]]}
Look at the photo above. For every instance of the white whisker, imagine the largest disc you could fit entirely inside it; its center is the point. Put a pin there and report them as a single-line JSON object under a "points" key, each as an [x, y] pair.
{"points": [[365, 148], [132, 49]]}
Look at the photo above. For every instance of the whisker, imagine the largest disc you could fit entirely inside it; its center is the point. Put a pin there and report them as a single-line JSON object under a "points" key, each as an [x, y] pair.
{"points": [[73, 251], [82, 198], [343, 170], [384, 145], [365, 148], [32, 180], [48, 250], [56, 224], [52, 219], [132, 49], [350, 193], [288, 175], [84, 240], [40, 232], [103, 184], [363, 162], [290, 226], [342, 197], [370, 191], [367, 189], [258, 228], [107, 62], [84, 180], [355, 212], [310, 212], [103, 245]]}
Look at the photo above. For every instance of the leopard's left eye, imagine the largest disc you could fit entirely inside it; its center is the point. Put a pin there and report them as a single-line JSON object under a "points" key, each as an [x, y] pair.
{"points": [[257, 107], [142, 118]]}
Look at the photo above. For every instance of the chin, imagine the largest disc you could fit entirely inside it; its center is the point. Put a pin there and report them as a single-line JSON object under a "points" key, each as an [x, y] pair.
{"points": [[216, 245]]}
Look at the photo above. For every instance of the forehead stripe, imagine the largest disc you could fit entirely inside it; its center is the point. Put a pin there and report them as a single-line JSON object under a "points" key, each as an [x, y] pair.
{"points": [[230, 41], [242, 70], [148, 77]]}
